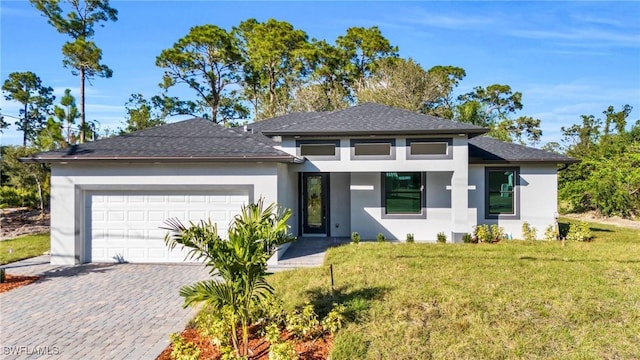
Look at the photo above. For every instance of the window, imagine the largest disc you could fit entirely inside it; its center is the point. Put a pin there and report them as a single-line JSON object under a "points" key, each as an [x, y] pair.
{"points": [[373, 149], [319, 149], [368, 149], [403, 193], [429, 148], [501, 192]]}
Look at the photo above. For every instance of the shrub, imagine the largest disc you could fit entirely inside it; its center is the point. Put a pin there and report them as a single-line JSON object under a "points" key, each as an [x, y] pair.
{"points": [[380, 237], [334, 319], [303, 323], [529, 232], [271, 333], [18, 197], [550, 233], [355, 237], [282, 351], [214, 325], [497, 233], [183, 350], [466, 238], [3, 275], [579, 232], [482, 233], [410, 238], [442, 238]]}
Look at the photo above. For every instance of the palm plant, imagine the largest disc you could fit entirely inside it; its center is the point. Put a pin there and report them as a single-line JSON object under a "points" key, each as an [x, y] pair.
{"points": [[240, 261]]}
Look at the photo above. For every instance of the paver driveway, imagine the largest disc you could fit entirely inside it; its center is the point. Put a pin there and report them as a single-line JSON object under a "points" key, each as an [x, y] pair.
{"points": [[96, 311]]}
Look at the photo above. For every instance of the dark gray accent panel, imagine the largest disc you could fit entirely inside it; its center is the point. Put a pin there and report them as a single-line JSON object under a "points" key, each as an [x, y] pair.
{"points": [[448, 155], [390, 156]]}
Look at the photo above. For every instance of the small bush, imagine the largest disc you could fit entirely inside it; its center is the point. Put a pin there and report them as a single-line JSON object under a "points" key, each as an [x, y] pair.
{"points": [[18, 197], [467, 238], [497, 233], [550, 233], [380, 237], [271, 333], [482, 233], [528, 232], [579, 232], [183, 350], [334, 319], [282, 351], [214, 325], [355, 238], [303, 323], [410, 238], [442, 238]]}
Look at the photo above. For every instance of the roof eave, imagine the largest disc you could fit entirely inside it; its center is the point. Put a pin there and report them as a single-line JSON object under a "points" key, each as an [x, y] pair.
{"points": [[517, 161], [182, 159], [470, 132]]}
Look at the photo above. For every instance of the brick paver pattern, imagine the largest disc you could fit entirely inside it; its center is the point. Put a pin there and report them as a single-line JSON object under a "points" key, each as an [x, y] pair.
{"points": [[96, 311]]}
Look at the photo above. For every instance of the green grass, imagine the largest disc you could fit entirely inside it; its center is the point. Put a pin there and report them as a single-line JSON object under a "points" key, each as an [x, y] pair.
{"points": [[513, 299], [23, 247]]}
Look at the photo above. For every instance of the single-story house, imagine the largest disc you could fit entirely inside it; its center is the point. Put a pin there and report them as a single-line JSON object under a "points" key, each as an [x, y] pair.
{"points": [[369, 169]]}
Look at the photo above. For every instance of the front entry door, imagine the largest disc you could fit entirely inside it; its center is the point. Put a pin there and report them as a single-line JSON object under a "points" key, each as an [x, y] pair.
{"points": [[314, 203]]}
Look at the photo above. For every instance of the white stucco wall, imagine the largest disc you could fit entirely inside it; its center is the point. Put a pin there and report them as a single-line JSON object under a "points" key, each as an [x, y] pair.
{"points": [[69, 182], [367, 212], [538, 197], [340, 204]]}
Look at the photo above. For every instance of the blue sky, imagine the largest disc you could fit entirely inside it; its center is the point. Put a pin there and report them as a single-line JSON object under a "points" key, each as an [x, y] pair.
{"points": [[567, 58]]}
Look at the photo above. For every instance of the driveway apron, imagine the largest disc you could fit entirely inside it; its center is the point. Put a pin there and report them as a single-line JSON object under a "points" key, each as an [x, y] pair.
{"points": [[96, 311]]}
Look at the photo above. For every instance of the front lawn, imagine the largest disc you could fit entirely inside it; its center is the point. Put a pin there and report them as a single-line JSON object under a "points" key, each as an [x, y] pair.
{"points": [[513, 299], [23, 247]]}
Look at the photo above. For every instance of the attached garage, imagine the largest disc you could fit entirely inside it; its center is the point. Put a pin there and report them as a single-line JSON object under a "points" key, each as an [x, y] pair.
{"points": [[126, 226]]}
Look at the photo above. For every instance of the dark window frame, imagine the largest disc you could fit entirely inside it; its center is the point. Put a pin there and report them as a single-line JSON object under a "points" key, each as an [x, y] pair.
{"points": [[448, 155], [423, 198], [335, 142], [391, 156], [516, 193]]}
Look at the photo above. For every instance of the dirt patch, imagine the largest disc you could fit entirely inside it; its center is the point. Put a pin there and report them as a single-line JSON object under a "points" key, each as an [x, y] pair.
{"points": [[315, 349], [15, 281], [16, 222], [616, 221]]}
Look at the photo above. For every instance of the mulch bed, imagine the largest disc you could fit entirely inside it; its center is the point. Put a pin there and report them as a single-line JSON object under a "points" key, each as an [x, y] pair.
{"points": [[15, 281], [316, 349]]}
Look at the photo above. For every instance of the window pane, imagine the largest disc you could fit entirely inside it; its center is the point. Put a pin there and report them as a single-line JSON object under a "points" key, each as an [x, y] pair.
{"points": [[428, 148], [372, 149], [501, 192], [403, 193], [317, 149]]}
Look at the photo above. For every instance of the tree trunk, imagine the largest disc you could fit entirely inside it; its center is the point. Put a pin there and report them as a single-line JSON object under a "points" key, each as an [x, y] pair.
{"points": [[39, 194], [82, 115], [25, 124]]}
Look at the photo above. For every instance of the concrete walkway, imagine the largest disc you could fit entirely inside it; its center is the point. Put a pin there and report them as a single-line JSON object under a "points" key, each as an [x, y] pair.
{"points": [[308, 252], [94, 311]]}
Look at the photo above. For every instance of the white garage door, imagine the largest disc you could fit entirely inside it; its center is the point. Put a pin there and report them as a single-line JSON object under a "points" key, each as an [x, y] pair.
{"points": [[126, 226]]}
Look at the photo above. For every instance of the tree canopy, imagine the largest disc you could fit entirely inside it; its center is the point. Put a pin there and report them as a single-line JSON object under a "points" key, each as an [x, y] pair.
{"points": [[81, 54]]}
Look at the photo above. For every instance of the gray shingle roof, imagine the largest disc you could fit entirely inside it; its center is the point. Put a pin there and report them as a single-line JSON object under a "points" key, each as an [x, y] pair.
{"points": [[483, 149], [193, 140], [365, 119]]}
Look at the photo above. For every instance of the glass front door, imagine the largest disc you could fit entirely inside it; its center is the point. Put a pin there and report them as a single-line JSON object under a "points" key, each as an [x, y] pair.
{"points": [[314, 207]]}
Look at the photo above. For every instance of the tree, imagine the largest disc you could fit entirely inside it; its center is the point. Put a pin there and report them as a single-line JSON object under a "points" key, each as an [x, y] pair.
{"points": [[67, 115], [141, 114], [28, 176], [36, 99], [240, 261], [364, 48], [208, 61], [81, 54], [399, 83], [492, 107], [607, 179], [277, 58], [50, 137], [444, 79]]}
